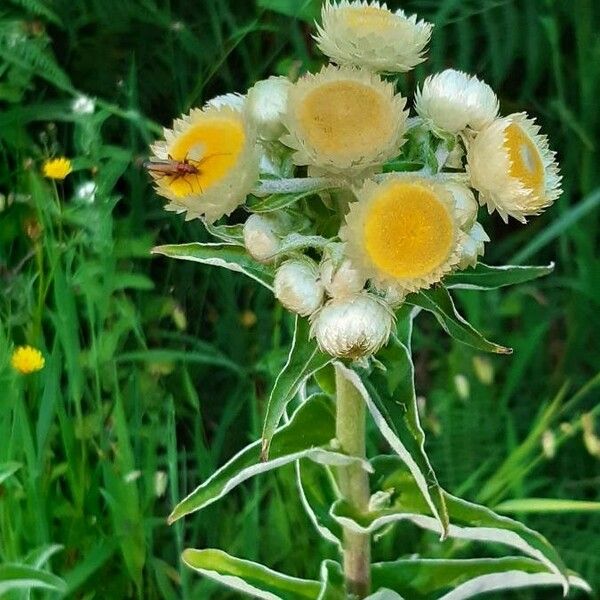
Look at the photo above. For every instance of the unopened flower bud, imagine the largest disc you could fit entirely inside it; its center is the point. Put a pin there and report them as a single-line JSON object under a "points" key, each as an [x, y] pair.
{"points": [[260, 238], [297, 286], [267, 102], [353, 328], [343, 281], [472, 246], [465, 204]]}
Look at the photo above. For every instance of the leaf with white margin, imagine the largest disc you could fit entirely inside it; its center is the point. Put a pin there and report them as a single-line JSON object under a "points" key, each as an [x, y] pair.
{"points": [[384, 594], [232, 234], [304, 360], [468, 521], [307, 435], [249, 577], [332, 581], [276, 202], [485, 277], [431, 579], [24, 577], [391, 399], [438, 301], [318, 491], [229, 256]]}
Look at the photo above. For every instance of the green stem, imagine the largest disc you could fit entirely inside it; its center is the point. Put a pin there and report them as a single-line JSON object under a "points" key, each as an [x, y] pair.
{"points": [[354, 485]]}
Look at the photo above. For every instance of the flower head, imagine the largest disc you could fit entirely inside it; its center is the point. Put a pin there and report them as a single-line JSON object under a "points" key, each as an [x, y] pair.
{"points": [[370, 35], [512, 167], [344, 121], [218, 148], [297, 286], [267, 103], [260, 237], [452, 101], [26, 360], [57, 168], [402, 233], [472, 246]]}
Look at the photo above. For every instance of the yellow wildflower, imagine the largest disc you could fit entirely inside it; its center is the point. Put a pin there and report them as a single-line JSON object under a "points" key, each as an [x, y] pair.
{"points": [[26, 359], [57, 168]]}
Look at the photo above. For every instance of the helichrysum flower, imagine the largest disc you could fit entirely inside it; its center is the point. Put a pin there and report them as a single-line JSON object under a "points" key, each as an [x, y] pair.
{"points": [[369, 35], [353, 327], [298, 287], [344, 121], [266, 105], [260, 237], [26, 360], [342, 281], [465, 204], [452, 101], [472, 246], [512, 167], [57, 168], [402, 234], [220, 143]]}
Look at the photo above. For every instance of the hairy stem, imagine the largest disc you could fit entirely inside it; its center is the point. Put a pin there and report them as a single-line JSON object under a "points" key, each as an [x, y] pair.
{"points": [[354, 485]]}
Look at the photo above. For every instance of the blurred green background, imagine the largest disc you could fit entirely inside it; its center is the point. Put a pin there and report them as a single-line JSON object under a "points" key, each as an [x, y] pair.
{"points": [[158, 371]]}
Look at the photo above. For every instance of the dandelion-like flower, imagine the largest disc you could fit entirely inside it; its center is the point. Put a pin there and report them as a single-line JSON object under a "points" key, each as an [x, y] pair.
{"points": [[344, 121], [57, 168], [512, 167], [452, 101], [219, 144], [26, 360], [370, 35], [402, 234]]}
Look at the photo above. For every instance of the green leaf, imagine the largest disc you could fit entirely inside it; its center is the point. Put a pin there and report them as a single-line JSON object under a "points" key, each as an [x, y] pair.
{"points": [[304, 359], [546, 505], [484, 277], [23, 577], [8, 469], [249, 577], [307, 435], [401, 500], [275, 201], [458, 579], [391, 399], [232, 234], [228, 256], [308, 10], [332, 581], [439, 302]]}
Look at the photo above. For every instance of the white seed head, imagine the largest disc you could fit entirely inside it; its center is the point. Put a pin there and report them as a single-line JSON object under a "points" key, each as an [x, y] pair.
{"points": [[352, 328], [266, 105], [260, 238], [465, 204], [297, 286], [342, 281]]}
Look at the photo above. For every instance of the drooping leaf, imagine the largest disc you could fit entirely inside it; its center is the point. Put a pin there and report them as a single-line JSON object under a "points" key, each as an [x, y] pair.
{"points": [[459, 579], [391, 399], [403, 501], [228, 256], [439, 302], [484, 277], [248, 577], [307, 435], [304, 359], [24, 577]]}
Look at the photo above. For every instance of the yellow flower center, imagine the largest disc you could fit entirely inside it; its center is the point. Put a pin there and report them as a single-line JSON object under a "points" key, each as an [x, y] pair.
{"points": [[409, 231], [370, 19], [526, 163], [345, 118], [210, 148]]}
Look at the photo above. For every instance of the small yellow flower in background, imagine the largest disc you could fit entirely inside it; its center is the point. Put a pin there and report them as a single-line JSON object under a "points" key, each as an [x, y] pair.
{"points": [[57, 168], [26, 359]]}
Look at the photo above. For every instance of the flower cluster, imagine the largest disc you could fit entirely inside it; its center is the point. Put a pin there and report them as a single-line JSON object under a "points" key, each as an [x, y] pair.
{"points": [[360, 204]]}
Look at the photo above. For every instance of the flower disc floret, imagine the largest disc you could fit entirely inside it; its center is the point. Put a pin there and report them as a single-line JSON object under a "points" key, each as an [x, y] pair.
{"points": [[344, 121], [402, 233], [26, 360], [220, 144], [452, 100], [369, 35], [512, 167]]}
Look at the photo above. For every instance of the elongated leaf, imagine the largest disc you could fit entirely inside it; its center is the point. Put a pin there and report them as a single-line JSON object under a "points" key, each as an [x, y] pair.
{"points": [[23, 577], [307, 435], [546, 505], [484, 277], [249, 577], [458, 579], [468, 521], [391, 399], [439, 302], [232, 234], [304, 359], [8, 469], [228, 256], [275, 201]]}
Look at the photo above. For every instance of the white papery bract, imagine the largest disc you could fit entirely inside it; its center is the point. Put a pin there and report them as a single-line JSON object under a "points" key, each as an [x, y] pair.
{"points": [[510, 164], [260, 237], [465, 204], [266, 105], [230, 100], [353, 327], [297, 286], [341, 281], [452, 100], [369, 35], [472, 246]]}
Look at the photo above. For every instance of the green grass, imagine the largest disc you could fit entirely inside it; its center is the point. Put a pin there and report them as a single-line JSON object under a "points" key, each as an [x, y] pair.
{"points": [[150, 372]]}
